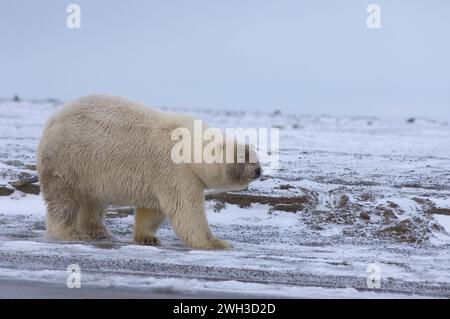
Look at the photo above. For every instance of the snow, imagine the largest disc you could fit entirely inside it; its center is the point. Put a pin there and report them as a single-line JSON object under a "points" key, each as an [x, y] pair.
{"points": [[22, 205], [442, 202], [444, 220], [368, 191]]}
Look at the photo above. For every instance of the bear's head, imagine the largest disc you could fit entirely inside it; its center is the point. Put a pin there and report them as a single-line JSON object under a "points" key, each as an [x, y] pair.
{"points": [[236, 170]]}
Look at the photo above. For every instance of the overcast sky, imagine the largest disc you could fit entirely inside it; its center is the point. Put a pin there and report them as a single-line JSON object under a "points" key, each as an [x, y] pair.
{"points": [[305, 57]]}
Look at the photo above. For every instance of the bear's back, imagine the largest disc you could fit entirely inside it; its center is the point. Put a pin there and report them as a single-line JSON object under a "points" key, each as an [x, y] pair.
{"points": [[109, 110]]}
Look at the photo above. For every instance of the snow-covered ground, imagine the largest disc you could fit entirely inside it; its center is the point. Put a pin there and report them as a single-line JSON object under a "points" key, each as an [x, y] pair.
{"points": [[350, 192]]}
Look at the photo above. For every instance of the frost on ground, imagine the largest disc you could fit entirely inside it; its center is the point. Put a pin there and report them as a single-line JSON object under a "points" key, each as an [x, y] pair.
{"points": [[351, 191]]}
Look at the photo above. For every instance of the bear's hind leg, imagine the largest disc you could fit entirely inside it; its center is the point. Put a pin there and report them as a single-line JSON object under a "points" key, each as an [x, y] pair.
{"points": [[147, 222], [62, 215], [62, 208], [91, 221]]}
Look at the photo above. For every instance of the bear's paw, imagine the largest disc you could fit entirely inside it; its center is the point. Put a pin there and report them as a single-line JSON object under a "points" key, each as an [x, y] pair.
{"points": [[147, 240]]}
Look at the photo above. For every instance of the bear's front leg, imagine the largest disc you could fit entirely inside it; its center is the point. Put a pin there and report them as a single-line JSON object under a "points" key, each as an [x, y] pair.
{"points": [[196, 233], [147, 222], [189, 221]]}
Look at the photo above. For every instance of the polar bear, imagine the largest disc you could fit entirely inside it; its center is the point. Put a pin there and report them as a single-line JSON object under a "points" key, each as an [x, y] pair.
{"points": [[103, 150]]}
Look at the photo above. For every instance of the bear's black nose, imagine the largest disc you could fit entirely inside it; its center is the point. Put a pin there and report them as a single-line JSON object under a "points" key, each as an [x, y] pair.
{"points": [[258, 172]]}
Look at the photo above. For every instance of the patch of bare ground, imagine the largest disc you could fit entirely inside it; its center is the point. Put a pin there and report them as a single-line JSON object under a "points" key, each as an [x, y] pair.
{"points": [[290, 204], [27, 185], [437, 210], [6, 191]]}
